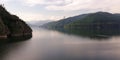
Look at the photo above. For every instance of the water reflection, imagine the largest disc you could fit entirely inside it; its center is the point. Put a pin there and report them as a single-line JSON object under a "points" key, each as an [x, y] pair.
{"points": [[54, 45], [91, 33]]}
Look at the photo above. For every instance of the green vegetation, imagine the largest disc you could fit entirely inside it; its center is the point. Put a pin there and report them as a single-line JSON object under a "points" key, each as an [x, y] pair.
{"points": [[99, 20], [61, 23], [12, 26], [99, 23]]}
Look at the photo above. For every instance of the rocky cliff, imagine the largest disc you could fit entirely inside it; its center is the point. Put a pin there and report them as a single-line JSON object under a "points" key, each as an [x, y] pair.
{"points": [[12, 26]]}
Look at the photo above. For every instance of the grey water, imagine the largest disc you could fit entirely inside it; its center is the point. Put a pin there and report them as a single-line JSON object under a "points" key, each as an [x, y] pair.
{"points": [[54, 45]]}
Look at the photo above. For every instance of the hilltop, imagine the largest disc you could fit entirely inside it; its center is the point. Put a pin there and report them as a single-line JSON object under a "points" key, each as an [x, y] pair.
{"points": [[11, 26], [103, 23]]}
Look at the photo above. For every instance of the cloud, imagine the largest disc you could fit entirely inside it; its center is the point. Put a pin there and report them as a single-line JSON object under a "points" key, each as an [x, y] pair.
{"points": [[35, 16], [104, 5], [73, 5], [3, 1], [54, 9], [46, 2]]}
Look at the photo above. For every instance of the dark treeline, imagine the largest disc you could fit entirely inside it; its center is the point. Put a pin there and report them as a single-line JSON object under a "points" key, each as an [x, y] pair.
{"points": [[12, 26], [92, 24]]}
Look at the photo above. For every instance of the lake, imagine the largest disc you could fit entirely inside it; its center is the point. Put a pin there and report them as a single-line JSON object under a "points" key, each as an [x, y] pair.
{"points": [[55, 45]]}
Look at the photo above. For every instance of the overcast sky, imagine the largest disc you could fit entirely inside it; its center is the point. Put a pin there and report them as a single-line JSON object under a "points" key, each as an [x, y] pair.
{"points": [[30, 10]]}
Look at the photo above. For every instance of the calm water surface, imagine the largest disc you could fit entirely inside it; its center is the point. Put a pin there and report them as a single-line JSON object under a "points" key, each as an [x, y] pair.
{"points": [[53, 45]]}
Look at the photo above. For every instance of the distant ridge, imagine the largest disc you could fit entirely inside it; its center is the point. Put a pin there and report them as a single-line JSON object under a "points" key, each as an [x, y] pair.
{"points": [[103, 17], [102, 24]]}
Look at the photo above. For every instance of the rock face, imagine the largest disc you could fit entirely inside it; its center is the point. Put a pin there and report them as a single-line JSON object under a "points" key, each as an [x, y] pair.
{"points": [[12, 26]]}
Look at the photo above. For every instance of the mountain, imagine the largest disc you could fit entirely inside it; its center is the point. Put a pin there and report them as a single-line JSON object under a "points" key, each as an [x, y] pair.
{"points": [[37, 23], [61, 23], [11, 26], [91, 18], [95, 20], [102, 23]]}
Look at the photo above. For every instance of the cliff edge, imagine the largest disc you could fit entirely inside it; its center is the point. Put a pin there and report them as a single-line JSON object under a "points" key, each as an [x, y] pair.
{"points": [[12, 26]]}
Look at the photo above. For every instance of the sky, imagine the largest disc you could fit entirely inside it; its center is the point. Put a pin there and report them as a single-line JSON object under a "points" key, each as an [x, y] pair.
{"points": [[39, 10]]}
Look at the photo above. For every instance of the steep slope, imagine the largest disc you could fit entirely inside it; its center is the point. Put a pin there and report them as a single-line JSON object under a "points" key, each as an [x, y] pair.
{"points": [[85, 19], [95, 20], [12, 26], [3, 29], [95, 24], [61, 23]]}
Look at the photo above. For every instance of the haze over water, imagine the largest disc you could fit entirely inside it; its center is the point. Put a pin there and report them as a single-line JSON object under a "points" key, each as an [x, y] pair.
{"points": [[54, 45]]}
